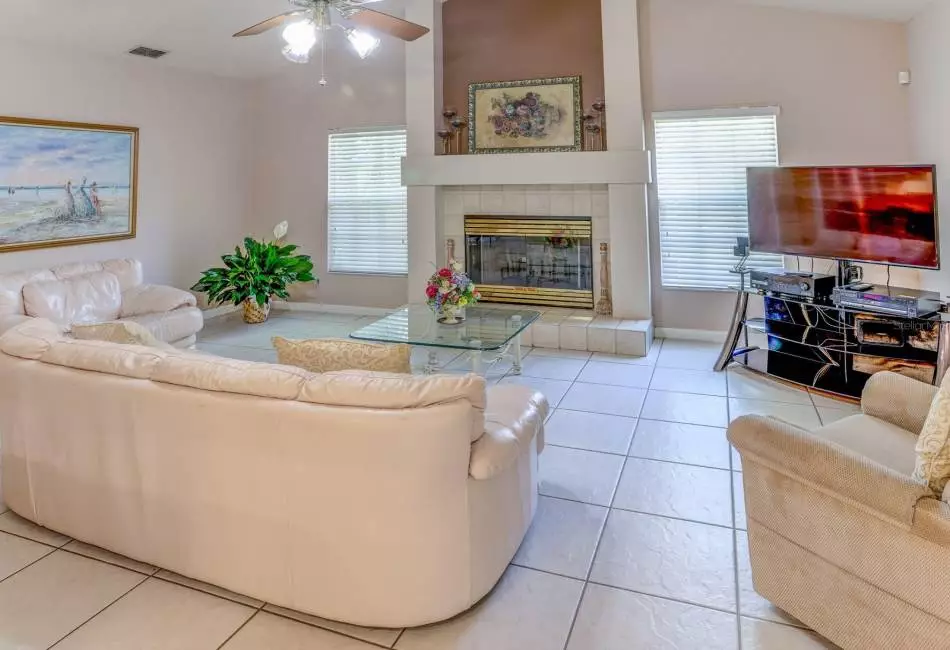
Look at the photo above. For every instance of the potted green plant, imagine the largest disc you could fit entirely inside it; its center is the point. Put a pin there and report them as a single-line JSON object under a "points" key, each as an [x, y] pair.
{"points": [[256, 274]]}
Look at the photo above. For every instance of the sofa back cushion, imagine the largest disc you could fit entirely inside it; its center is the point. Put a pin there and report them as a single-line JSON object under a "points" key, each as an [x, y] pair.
{"points": [[128, 272], [134, 361], [83, 299], [221, 375], [31, 339], [11, 289]]}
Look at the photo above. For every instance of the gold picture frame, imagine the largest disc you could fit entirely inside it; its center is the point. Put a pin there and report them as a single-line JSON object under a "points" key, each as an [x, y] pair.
{"points": [[527, 116], [66, 183]]}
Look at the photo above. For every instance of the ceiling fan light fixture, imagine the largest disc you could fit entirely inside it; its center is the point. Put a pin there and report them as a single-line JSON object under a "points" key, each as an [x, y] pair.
{"points": [[363, 42], [300, 38]]}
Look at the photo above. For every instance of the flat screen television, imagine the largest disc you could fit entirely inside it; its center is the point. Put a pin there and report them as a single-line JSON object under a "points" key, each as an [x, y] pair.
{"points": [[883, 215]]}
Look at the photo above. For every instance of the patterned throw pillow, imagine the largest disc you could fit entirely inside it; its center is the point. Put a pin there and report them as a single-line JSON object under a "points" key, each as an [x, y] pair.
{"points": [[329, 355], [125, 332], [933, 445]]}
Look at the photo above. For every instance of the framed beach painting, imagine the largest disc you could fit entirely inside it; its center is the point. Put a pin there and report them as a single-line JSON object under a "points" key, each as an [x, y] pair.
{"points": [[525, 116], [65, 183]]}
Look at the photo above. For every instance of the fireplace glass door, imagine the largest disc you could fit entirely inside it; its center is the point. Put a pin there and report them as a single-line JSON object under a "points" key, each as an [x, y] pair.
{"points": [[520, 260]]}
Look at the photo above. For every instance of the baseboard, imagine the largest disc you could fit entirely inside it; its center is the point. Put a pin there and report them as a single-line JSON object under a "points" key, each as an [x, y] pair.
{"points": [[711, 336], [332, 309], [223, 310]]}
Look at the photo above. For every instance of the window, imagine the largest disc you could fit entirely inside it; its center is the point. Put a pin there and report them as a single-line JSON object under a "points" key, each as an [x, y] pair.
{"points": [[701, 161], [367, 216]]}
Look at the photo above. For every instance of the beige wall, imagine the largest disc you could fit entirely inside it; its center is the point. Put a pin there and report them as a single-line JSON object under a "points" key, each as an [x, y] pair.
{"points": [[192, 158], [292, 117], [834, 78], [930, 112]]}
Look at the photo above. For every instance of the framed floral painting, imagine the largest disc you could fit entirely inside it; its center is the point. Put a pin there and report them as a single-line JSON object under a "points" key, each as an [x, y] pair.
{"points": [[65, 183], [533, 115]]}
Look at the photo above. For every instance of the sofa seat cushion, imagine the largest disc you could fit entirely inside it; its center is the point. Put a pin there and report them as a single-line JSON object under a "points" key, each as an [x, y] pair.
{"points": [[83, 299], [11, 289], [154, 299], [514, 416], [330, 355], [207, 372], [173, 325], [106, 357], [876, 439], [119, 331]]}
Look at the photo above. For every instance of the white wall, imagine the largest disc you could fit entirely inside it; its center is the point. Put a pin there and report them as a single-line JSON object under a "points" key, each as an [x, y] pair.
{"points": [[930, 116], [291, 117], [192, 156], [835, 79]]}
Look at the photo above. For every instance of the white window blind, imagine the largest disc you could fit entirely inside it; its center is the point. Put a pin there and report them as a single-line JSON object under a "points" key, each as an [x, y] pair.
{"points": [[701, 162], [367, 216]]}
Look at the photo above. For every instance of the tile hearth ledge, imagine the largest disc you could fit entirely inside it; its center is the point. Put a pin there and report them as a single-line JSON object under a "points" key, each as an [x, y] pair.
{"points": [[569, 168]]}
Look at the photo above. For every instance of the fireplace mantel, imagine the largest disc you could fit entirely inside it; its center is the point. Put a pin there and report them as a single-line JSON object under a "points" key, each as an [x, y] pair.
{"points": [[574, 168]]}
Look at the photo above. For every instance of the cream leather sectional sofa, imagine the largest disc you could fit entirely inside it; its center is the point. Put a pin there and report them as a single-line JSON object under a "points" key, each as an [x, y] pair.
{"points": [[374, 499], [95, 292]]}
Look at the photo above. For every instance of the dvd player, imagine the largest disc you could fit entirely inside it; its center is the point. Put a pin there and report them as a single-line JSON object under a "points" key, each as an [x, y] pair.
{"points": [[893, 301]]}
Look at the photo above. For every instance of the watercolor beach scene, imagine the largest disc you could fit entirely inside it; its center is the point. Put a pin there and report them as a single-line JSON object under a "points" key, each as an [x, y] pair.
{"points": [[64, 183]]}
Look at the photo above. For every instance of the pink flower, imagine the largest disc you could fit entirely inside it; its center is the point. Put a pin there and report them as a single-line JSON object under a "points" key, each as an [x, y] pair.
{"points": [[431, 291], [445, 273]]}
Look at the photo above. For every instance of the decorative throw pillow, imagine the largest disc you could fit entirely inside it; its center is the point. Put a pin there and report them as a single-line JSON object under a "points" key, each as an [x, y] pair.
{"points": [[329, 355], [933, 445], [125, 332]]}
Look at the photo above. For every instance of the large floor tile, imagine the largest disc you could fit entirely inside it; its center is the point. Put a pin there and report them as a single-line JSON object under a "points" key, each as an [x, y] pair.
{"points": [[49, 599], [562, 538], [765, 635], [681, 443], [158, 615], [665, 557], [833, 402], [379, 636], [208, 588], [443, 357], [751, 603], [561, 354], [700, 382], [103, 555], [688, 355], [528, 609], [553, 389], [609, 400], [545, 367], [801, 415], [16, 553], [592, 431], [738, 496], [830, 416], [271, 632], [617, 374], [750, 385], [704, 410], [674, 490], [10, 522], [585, 476], [613, 619]]}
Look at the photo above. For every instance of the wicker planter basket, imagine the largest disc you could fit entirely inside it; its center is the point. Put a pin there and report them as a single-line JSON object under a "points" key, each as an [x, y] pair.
{"points": [[255, 313]]}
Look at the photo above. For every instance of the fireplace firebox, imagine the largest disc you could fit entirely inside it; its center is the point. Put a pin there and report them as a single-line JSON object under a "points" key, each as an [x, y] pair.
{"points": [[544, 261]]}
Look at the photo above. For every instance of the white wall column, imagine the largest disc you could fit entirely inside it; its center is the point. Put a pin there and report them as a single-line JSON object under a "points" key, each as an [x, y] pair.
{"points": [[423, 112], [629, 226]]}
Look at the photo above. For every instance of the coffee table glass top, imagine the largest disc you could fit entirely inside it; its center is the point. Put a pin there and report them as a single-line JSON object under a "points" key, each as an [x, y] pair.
{"points": [[484, 328]]}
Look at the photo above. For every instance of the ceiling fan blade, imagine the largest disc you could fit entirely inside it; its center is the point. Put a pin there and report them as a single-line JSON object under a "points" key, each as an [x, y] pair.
{"points": [[269, 24], [380, 22]]}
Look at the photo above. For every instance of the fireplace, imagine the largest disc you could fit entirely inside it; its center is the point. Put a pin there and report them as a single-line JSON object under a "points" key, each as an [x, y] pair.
{"points": [[544, 261]]}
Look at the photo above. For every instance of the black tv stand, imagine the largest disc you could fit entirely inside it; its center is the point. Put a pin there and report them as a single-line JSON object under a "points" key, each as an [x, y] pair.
{"points": [[819, 345]]}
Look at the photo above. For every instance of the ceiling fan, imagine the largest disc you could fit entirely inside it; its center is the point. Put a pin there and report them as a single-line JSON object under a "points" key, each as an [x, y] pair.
{"points": [[311, 22]]}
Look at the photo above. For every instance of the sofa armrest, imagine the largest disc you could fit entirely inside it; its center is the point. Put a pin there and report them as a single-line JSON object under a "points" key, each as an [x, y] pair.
{"points": [[154, 299], [807, 458], [900, 400], [514, 416]]}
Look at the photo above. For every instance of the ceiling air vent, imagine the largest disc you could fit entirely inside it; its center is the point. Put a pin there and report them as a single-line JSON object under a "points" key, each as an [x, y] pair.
{"points": [[148, 52]]}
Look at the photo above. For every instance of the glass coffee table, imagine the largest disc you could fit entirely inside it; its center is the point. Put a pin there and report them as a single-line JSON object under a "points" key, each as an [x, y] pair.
{"points": [[485, 329]]}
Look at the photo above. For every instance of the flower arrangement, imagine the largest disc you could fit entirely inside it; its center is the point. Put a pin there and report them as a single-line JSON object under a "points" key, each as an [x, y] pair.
{"points": [[523, 117], [450, 289]]}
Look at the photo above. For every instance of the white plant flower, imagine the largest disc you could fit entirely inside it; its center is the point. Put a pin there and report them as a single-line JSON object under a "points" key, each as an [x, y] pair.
{"points": [[280, 230]]}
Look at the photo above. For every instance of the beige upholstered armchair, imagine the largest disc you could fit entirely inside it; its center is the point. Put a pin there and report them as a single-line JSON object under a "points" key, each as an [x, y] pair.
{"points": [[840, 534]]}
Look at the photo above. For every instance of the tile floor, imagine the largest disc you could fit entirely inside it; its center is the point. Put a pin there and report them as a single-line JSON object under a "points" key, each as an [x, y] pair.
{"points": [[639, 539]]}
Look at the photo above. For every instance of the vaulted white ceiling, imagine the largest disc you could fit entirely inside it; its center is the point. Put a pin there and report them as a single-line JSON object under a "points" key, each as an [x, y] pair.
{"points": [[198, 32]]}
